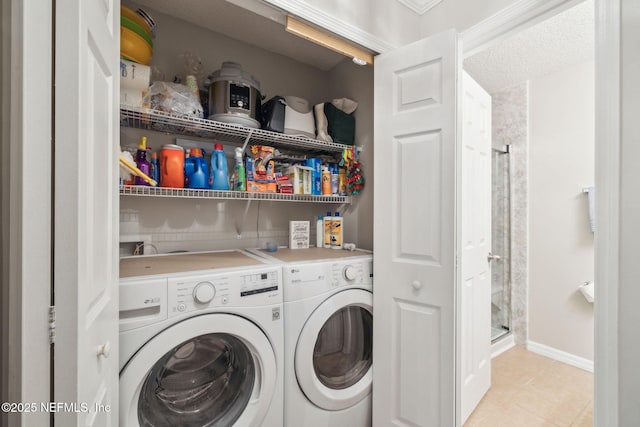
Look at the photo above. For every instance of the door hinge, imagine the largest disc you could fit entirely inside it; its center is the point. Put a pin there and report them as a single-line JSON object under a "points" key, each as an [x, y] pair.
{"points": [[52, 324]]}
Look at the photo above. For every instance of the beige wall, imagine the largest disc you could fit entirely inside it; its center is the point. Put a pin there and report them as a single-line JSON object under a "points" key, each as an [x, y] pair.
{"points": [[356, 82], [278, 75], [561, 155]]}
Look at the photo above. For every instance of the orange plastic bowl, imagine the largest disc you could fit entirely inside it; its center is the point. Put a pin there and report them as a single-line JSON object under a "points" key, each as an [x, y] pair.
{"points": [[134, 48], [128, 13], [128, 23]]}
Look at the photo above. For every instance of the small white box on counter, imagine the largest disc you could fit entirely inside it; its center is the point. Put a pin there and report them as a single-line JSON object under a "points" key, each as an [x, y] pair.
{"points": [[299, 234]]}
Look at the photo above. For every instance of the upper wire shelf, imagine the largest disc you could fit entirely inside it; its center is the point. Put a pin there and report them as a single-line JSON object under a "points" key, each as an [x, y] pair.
{"points": [[189, 193], [160, 121]]}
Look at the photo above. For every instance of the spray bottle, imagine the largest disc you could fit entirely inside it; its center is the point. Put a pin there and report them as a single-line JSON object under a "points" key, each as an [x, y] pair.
{"points": [[239, 173], [141, 161]]}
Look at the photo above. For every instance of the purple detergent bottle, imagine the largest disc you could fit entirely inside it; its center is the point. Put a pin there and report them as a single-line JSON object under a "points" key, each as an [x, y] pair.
{"points": [[141, 161]]}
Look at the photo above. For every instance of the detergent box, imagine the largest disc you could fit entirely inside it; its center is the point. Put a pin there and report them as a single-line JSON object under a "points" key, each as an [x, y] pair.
{"points": [[260, 170]]}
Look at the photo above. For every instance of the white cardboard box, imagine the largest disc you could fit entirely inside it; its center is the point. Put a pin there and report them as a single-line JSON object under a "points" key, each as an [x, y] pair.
{"points": [[299, 234], [300, 177]]}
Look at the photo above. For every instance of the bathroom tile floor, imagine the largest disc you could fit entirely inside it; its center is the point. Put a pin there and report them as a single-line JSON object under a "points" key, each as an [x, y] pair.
{"points": [[532, 390]]}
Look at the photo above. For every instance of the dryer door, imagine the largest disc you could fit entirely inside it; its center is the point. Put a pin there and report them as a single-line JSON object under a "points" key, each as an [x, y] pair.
{"points": [[209, 370], [334, 351]]}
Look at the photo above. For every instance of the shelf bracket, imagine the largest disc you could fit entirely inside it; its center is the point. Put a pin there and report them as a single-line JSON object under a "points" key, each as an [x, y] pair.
{"points": [[246, 141], [240, 225]]}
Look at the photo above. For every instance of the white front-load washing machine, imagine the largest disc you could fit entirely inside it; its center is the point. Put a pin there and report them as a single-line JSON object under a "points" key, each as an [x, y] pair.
{"points": [[201, 340], [328, 323]]}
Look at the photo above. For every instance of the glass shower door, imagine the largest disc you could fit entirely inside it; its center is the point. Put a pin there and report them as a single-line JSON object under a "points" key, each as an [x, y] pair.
{"points": [[501, 244]]}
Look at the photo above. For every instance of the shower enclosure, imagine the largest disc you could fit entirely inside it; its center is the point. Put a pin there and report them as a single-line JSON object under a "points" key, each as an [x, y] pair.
{"points": [[501, 243]]}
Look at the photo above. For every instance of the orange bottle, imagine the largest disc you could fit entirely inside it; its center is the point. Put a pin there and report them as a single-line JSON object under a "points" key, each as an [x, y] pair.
{"points": [[326, 180], [172, 166]]}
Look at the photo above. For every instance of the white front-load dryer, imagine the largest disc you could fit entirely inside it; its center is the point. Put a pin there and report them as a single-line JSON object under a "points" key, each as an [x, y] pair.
{"points": [[328, 322], [201, 341]]}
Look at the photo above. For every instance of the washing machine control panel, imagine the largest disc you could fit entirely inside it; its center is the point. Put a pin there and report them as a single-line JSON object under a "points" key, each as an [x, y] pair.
{"points": [[259, 283], [351, 273], [204, 292], [237, 289]]}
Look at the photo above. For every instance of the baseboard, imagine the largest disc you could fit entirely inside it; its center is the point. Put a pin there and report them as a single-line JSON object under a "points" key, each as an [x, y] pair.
{"points": [[503, 344], [561, 356]]}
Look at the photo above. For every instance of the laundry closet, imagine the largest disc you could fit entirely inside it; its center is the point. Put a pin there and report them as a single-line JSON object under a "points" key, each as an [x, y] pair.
{"points": [[215, 32], [216, 330], [416, 192]]}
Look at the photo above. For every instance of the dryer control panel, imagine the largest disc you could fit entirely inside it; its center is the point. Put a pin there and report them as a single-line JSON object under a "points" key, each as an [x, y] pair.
{"points": [[356, 273], [238, 289], [303, 280]]}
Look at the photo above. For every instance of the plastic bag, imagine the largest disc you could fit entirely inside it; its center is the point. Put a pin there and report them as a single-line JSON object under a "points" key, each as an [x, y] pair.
{"points": [[174, 98]]}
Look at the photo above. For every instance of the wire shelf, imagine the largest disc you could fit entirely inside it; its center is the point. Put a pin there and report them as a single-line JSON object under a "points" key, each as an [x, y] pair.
{"points": [[183, 125], [189, 193]]}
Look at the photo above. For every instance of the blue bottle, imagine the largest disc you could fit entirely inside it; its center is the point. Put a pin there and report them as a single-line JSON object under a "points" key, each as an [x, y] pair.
{"points": [[219, 169], [316, 175], [196, 170], [155, 167]]}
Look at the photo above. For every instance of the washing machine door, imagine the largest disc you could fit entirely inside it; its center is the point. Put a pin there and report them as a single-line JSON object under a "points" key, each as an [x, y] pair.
{"points": [[209, 370], [334, 351]]}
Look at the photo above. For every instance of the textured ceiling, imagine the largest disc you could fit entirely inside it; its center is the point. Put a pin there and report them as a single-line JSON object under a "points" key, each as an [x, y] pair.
{"points": [[255, 29], [561, 41]]}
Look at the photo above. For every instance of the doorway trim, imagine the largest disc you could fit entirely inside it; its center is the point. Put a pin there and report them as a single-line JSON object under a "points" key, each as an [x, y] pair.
{"points": [[517, 17], [608, 144], [26, 206]]}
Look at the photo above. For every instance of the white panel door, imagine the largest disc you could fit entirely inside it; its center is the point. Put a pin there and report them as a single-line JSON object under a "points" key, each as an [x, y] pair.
{"points": [[475, 313], [86, 210], [415, 238]]}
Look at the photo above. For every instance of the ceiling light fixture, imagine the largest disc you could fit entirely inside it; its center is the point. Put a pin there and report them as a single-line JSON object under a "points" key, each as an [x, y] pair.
{"points": [[301, 29]]}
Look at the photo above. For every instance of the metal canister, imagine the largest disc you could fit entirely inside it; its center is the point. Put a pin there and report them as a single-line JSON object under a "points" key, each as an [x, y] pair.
{"points": [[172, 166]]}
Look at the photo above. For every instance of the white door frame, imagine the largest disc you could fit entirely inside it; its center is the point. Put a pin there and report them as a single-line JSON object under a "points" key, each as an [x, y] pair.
{"points": [[513, 19], [26, 205], [608, 145]]}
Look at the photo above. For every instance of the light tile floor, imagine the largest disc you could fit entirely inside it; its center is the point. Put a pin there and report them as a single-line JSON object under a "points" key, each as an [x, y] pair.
{"points": [[531, 390]]}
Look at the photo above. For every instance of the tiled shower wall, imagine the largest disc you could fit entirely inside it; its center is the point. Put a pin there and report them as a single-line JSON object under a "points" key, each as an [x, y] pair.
{"points": [[500, 241], [510, 126]]}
